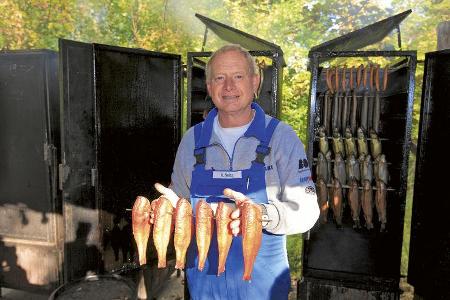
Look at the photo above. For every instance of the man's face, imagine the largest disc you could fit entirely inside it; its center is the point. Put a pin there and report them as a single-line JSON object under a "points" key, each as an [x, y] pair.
{"points": [[232, 86]]}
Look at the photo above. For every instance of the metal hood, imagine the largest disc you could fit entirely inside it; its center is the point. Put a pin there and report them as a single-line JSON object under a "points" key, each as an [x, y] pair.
{"points": [[235, 36]]}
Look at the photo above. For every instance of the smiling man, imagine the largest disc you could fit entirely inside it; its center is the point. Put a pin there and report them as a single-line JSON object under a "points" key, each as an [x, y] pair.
{"points": [[240, 154]]}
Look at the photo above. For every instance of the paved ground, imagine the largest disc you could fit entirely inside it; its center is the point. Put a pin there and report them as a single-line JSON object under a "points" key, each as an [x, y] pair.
{"points": [[9, 294], [174, 290]]}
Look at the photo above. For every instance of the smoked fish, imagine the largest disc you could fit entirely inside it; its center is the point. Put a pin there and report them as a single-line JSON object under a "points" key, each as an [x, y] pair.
{"points": [[367, 203], [140, 218], [224, 235], [322, 199], [380, 203], [337, 143], [355, 204], [162, 227], [183, 231], [251, 228], [322, 167], [323, 141], [336, 202], [349, 143], [361, 142], [204, 226], [375, 144]]}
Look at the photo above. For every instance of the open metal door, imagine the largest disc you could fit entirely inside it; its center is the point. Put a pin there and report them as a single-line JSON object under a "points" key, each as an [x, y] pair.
{"points": [[30, 207], [121, 128], [429, 254], [78, 164]]}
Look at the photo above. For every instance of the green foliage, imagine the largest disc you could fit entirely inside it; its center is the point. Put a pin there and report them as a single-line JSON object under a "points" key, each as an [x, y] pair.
{"points": [[294, 246]]}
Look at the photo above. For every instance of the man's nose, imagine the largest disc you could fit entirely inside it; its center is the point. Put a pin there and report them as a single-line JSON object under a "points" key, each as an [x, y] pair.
{"points": [[229, 84]]}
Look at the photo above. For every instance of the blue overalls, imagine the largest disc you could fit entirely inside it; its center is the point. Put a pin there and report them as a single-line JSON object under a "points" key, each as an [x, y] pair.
{"points": [[270, 276]]}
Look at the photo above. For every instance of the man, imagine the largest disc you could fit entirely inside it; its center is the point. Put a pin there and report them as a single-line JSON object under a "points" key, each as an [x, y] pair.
{"points": [[238, 153]]}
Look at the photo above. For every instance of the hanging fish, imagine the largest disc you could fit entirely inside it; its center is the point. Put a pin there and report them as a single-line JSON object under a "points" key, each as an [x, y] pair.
{"points": [[367, 203], [344, 103], [322, 199], [380, 203], [364, 111], [380, 169], [376, 104], [162, 227], [183, 231], [359, 75], [140, 218], [224, 235], [251, 228], [366, 169], [204, 226], [322, 167], [349, 142], [353, 112], [352, 169], [370, 104], [355, 204], [329, 169], [323, 141], [361, 142], [375, 144], [338, 145], [326, 112], [339, 168], [328, 103], [335, 115], [336, 202]]}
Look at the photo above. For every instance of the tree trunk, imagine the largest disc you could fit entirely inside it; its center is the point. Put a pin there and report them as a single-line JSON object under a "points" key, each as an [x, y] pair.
{"points": [[443, 35]]}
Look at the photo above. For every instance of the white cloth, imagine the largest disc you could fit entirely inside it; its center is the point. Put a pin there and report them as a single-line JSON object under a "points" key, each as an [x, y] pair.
{"points": [[229, 136]]}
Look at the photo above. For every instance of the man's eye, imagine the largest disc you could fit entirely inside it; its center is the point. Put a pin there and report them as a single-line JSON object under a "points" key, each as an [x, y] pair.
{"points": [[219, 79], [238, 77]]}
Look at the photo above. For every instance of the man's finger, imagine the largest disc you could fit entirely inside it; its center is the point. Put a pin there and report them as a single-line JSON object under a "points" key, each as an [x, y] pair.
{"points": [[168, 193], [235, 227], [235, 214], [235, 196]]}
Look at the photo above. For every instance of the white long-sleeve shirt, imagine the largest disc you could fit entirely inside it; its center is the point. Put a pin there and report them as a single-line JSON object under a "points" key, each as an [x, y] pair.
{"points": [[290, 190]]}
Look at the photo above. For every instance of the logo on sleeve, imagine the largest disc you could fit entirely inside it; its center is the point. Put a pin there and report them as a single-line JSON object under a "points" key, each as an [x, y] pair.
{"points": [[305, 179], [310, 190], [302, 165]]}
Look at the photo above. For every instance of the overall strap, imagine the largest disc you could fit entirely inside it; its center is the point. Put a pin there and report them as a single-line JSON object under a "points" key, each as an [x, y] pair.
{"points": [[199, 151], [202, 135], [263, 149]]}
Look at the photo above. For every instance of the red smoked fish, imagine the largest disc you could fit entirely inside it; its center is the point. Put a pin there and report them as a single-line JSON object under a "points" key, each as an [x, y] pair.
{"points": [[140, 216], [204, 225], [162, 227], [224, 235], [251, 228], [183, 231], [336, 202], [322, 198]]}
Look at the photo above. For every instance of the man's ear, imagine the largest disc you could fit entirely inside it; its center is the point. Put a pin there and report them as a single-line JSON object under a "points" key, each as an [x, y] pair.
{"points": [[255, 80], [208, 86]]}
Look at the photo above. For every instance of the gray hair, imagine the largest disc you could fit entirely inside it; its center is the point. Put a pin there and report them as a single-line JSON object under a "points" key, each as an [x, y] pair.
{"points": [[253, 68]]}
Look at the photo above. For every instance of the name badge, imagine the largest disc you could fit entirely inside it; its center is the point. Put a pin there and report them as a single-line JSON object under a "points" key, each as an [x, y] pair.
{"points": [[227, 174]]}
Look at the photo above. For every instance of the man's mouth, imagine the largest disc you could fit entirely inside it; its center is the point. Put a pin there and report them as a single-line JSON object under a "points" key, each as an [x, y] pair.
{"points": [[234, 97]]}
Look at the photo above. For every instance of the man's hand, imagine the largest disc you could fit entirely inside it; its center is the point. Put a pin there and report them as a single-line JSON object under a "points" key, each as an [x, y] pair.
{"points": [[166, 193], [239, 198]]}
